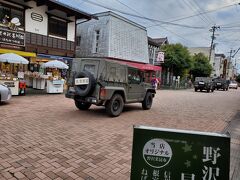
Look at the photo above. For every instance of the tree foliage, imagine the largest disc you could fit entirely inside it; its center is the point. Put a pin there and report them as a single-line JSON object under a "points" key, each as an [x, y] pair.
{"points": [[177, 58], [201, 66]]}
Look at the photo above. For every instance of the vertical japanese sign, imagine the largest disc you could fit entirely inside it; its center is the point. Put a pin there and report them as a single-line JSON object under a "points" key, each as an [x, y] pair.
{"points": [[167, 154], [160, 57]]}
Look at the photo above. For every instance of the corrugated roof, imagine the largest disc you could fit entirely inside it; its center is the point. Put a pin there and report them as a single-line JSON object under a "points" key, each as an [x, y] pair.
{"points": [[158, 41]]}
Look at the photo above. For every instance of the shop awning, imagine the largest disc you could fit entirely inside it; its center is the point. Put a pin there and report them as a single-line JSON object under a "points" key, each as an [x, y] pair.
{"points": [[21, 53], [141, 66], [52, 57]]}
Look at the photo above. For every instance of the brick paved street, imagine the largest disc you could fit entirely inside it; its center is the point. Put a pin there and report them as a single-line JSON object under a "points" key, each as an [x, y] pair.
{"points": [[46, 137]]}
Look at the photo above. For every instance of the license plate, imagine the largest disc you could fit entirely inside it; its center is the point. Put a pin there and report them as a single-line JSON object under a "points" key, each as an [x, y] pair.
{"points": [[218, 83], [201, 83], [81, 81]]}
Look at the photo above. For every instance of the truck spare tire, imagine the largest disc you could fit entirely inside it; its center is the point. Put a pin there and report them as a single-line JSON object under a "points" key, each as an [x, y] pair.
{"points": [[85, 89]]}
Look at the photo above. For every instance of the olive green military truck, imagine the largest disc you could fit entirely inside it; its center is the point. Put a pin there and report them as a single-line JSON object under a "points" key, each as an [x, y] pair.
{"points": [[108, 83]]}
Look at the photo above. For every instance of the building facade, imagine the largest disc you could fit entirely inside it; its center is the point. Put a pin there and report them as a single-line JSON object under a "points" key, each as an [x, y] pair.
{"points": [[154, 46], [218, 65], [39, 30], [206, 52], [112, 36], [229, 69]]}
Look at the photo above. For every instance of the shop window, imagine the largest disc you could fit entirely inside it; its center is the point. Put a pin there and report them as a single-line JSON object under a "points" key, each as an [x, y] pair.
{"points": [[57, 27], [7, 13]]}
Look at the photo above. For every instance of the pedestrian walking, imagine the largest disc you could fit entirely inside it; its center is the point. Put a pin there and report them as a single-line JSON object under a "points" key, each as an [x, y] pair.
{"points": [[155, 83]]}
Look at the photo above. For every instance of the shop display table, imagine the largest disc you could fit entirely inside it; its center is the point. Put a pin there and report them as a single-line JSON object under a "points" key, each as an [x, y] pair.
{"points": [[39, 83], [55, 86]]}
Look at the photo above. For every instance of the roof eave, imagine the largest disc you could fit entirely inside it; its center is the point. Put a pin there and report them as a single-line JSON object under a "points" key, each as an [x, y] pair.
{"points": [[70, 11]]}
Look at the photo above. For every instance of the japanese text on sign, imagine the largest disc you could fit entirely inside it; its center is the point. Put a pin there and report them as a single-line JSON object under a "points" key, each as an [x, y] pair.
{"points": [[12, 37], [169, 154]]}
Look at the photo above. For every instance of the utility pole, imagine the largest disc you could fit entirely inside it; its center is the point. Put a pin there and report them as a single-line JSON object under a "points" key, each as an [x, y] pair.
{"points": [[213, 29], [230, 57]]}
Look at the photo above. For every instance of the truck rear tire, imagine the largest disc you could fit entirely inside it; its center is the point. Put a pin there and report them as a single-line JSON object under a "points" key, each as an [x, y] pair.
{"points": [[115, 105], [147, 102], [84, 90]]}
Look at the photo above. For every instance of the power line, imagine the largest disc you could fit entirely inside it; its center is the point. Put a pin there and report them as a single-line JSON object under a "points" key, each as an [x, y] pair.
{"points": [[194, 10], [236, 22], [151, 21], [226, 27], [142, 17], [205, 12], [206, 16]]}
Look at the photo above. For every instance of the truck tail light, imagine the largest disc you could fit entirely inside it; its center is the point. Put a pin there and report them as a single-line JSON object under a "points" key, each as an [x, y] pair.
{"points": [[103, 92]]}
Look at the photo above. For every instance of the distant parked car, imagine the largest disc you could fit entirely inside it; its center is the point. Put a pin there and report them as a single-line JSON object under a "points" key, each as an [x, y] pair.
{"points": [[204, 83], [5, 93], [233, 84], [221, 84]]}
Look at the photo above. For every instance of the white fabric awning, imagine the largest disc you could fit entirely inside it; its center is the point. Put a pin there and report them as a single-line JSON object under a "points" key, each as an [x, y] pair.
{"points": [[55, 64], [13, 58]]}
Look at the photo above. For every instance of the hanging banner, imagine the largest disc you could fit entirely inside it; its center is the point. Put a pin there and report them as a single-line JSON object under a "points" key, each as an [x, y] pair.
{"points": [[169, 154]]}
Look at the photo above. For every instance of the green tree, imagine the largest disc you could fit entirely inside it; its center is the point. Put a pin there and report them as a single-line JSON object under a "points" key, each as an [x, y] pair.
{"points": [[201, 66], [238, 78], [177, 59]]}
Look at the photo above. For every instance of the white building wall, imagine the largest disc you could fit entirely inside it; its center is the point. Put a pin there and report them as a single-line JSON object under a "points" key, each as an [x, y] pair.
{"points": [[217, 66], [36, 26], [119, 38], [87, 32], [71, 30], [128, 41], [230, 72]]}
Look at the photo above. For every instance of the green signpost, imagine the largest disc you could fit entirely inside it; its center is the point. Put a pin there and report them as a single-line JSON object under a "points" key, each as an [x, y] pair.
{"points": [[169, 154]]}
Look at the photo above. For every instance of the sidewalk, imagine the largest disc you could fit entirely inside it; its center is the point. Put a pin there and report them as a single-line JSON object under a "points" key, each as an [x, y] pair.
{"points": [[234, 130]]}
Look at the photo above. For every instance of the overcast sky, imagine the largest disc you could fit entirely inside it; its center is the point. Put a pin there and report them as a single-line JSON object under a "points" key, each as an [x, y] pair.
{"points": [[192, 31]]}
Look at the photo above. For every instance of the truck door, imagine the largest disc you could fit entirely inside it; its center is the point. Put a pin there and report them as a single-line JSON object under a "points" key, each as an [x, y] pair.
{"points": [[136, 88]]}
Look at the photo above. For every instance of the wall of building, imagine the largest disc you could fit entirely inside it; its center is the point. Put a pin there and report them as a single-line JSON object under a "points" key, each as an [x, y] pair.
{"points": [[86, 31], [152, 52], [230, 71], [119, 38], [71, 30], [34, 26], [205, 51], [217, 66], [128, 41], [41, 27]]}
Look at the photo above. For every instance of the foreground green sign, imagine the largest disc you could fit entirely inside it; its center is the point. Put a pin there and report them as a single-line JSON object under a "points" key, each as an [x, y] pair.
{"points": [[169, 154]]}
